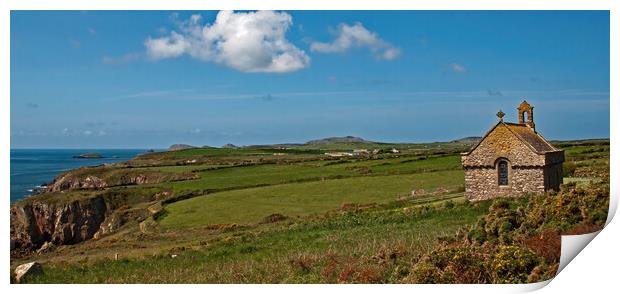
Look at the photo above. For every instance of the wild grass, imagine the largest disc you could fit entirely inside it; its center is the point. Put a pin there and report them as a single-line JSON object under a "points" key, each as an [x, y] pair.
{"points": [[359, 246]]}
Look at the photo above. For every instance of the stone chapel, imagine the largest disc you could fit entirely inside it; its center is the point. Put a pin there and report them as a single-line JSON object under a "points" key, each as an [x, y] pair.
{"points": [[512, 159]]}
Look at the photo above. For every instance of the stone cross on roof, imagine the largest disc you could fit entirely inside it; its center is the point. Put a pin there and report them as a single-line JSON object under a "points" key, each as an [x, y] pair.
{"points": [[500, 114]]}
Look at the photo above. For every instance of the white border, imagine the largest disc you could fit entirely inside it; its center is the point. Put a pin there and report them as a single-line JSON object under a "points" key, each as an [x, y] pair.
{"points": [[594, 268], [312, 5]]}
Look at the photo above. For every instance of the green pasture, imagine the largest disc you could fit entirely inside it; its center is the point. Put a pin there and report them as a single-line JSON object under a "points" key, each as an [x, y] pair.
{"points": [[298, 199]]}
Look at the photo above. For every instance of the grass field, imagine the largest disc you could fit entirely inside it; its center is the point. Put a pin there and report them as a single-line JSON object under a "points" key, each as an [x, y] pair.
{"points": [[350, 219], [269, 174], [252, 205]]}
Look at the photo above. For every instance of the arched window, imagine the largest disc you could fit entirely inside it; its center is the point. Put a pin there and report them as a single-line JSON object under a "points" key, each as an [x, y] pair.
{"points": [[502, 172]]}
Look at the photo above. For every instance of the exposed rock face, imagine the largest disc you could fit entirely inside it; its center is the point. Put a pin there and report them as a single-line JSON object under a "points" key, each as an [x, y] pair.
{"points": [[58, 219], [35, 223], [67, 181], [27, 269], [46, 247]]}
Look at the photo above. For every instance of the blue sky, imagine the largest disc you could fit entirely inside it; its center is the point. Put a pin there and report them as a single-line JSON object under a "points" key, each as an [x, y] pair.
{"points": [[148, 79]]}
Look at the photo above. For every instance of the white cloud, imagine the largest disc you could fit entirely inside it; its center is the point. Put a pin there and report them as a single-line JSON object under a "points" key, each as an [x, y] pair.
{"points": [[245, 41], [102, 133], [92, 31], [195, 131], [87, 133], [167, 47], [457, 68], [357, 36]]}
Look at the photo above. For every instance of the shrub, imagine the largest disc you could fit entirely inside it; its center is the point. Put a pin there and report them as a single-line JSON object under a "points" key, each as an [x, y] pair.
{"points": [[547, 244], [568, 168], [451, 265], [543, 272], [513, 264], [518, 240], [370, 274]]}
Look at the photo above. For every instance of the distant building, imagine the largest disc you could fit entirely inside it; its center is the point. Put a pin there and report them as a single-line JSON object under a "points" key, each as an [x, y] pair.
{"points": [[358, 152], [512, 159], [338, 154]]}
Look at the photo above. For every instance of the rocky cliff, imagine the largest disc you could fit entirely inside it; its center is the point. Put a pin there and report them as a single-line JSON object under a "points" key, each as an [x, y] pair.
{"points": [[38, 222], [79, 179], [68, 181], [86, 203]]}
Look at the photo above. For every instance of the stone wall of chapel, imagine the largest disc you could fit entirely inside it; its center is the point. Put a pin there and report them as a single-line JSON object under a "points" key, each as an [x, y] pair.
{"points": [[481, 183]]}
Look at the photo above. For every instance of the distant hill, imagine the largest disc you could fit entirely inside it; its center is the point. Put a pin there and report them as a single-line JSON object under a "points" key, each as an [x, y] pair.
{"points": [[467, 140], [318, 143], [347, 139], [176, 147]]}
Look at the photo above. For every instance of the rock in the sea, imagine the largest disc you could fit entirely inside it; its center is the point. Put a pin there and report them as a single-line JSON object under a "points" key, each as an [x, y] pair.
{"points": [[89, 156], [26, 270]]}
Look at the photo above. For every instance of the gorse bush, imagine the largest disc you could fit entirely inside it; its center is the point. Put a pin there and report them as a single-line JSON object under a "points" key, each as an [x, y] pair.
{"points": [[512, 264], [571, 207], [446, 265], [518, 240]]}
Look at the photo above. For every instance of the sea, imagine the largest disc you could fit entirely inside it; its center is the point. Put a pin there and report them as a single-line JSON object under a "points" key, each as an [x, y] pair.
{"points": [[33, 168]]}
